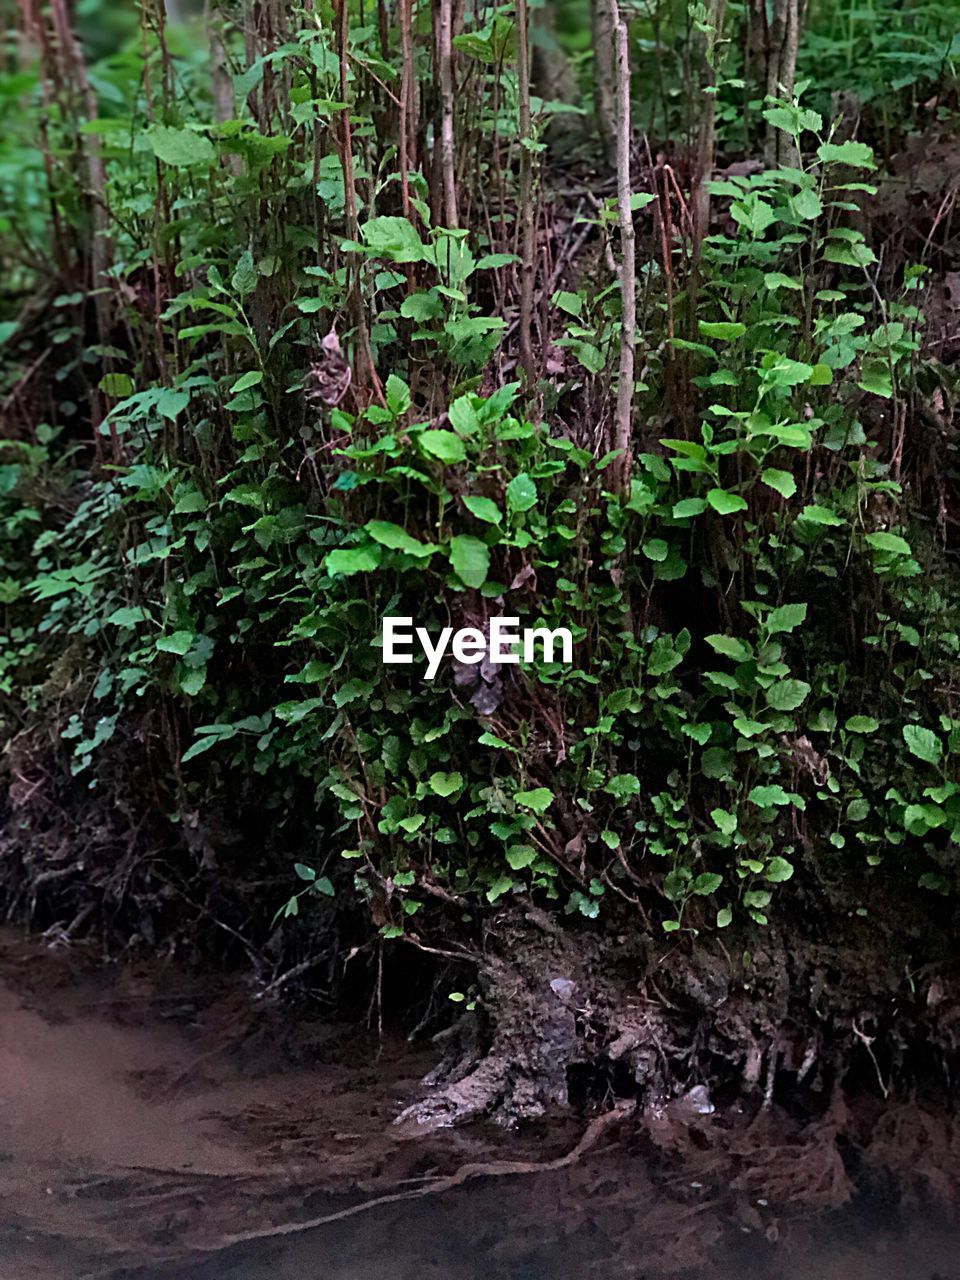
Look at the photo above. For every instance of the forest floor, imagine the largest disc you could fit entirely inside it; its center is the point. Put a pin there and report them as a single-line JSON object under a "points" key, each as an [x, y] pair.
{"points": [[156, 1125]]}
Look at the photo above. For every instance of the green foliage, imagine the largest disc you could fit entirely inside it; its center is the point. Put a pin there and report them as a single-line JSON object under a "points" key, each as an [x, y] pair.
{"points": [[762, 621]]}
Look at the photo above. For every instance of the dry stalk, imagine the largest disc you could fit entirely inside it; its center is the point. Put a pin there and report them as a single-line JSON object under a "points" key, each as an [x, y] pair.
{"points": [[527, 211], [623, 414], [448, 159]]}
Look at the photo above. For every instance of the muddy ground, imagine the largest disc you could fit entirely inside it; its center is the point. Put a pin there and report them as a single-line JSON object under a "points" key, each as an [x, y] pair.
{"points": [[148, 1131]]}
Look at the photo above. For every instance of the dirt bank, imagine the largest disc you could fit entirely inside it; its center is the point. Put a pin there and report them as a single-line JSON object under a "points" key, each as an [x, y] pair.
{"points": [[132, 1129], [148, 1132]]}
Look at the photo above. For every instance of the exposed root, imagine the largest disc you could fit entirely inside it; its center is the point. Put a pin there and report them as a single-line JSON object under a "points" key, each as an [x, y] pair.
{"points": [[919, 1150], [806, 1172], [466, 1173]]}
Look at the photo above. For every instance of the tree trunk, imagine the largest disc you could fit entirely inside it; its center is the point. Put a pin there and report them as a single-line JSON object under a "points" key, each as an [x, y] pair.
{"points": [[604, 14], [782, 45]]}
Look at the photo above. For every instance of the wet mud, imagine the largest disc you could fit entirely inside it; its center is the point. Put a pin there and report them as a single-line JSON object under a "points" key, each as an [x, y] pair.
{"points": [[146, 1134]]}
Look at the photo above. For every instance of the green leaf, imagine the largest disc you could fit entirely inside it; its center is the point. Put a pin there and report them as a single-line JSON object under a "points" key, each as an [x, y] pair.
{"points": [[444, 445], [786, 618], [395, 538], [470, 559], [394, 238], [781, 371], [398, 395], [127, 618], [923, 743], [775, 280], [491, 261], [862, 724], [730, 647], [463, 415], [858, 809], [179, 147], [521, 856], [891, 543], [724, 917], [354, 690], [355, 560], [766, 797], [753, 213], [521, 493], [688, 507], [727, 330], [572, 303], [875, 378], [725, 821], [246, 382], [305, 872], [726, 503], [782, 481], [793, 119], [656, 549], [807, 204], [850, 255], [245, 277], [483, 509], [857, 154], [245, 495], [787, 695], [445, 784], [623, 785], [116, 385], [717, 763], [815, 514], [590, 357], [707, 883], [179, 642], [191, 682], [778, 870], [539, 800], [422, 306], [170, 403], [200, 746]]}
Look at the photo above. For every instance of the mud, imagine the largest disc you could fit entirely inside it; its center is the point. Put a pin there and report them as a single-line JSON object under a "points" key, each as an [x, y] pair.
{"points": [[143, 1128]]}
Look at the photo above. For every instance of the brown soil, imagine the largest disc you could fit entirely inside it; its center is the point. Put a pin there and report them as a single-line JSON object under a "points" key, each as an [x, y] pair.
{"points": [[144, 1130], [128, 1132]]}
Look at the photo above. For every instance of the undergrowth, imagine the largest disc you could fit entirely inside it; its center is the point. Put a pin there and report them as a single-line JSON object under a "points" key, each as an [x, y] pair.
{"points": [[291, 403]]}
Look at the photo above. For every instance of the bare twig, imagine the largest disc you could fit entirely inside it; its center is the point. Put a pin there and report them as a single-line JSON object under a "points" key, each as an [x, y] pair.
{"points": [[623, 416], [527, 212], [447, 142], [362, 335], [406, 101]]}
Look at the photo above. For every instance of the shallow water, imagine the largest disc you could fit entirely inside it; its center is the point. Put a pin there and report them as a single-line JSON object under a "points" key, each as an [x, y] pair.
{"points": [[444, 1242], [136, 1143]]}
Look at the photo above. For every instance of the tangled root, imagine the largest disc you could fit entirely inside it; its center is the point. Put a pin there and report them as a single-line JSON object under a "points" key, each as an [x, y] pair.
{"points": [[807, 1171], [920, 1151]]}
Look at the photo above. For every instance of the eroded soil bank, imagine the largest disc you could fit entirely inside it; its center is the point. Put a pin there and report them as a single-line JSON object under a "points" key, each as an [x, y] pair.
{"points": [[148, 1133]]}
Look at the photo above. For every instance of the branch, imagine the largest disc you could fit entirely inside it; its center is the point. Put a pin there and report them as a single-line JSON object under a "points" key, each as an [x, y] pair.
{"points": [[623, 418], [447, 145], [527, 221]]}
